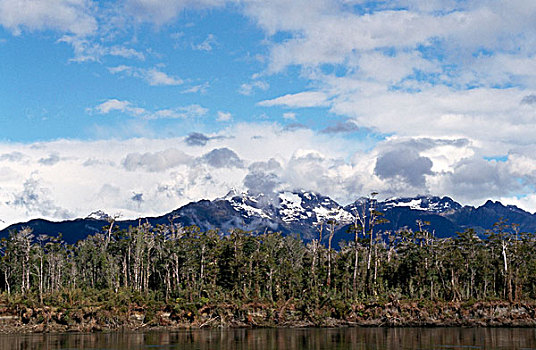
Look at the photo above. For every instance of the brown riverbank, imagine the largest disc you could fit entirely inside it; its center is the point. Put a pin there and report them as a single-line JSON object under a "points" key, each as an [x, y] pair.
{"points": [[23, 319]]}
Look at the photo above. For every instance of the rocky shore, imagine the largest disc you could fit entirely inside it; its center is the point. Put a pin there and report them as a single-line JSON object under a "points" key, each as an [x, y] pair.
{"points": [[21, 319]]}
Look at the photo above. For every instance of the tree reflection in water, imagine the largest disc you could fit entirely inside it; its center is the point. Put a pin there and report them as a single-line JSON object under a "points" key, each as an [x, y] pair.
{"points": [[284, 339]]}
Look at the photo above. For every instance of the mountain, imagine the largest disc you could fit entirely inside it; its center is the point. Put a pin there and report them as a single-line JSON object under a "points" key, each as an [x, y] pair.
{"points": [[301, 213], [287, 212], [485, 216]]}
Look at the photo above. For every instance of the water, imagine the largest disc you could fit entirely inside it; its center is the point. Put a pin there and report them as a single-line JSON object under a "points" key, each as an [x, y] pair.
{"points": [[285, 339]]}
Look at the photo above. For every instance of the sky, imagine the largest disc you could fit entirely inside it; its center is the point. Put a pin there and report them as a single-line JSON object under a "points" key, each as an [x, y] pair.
{"points": [[137, 107]]}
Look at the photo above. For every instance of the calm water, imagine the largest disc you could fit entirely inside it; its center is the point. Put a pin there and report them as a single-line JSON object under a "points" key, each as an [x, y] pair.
{"points": [[286, 339]]}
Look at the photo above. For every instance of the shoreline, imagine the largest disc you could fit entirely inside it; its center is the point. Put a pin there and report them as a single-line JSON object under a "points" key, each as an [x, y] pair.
{"points": [[21, 319]]}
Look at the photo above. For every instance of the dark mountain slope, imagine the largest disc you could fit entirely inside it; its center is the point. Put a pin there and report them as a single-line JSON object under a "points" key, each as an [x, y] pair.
{"points": [[300, 213]]}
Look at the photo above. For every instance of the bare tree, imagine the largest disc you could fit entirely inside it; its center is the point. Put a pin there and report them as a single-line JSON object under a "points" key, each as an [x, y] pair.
{"points": [[332, 224]]}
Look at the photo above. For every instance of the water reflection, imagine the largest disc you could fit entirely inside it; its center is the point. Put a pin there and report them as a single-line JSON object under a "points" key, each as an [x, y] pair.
{"points": [[285, 339]]}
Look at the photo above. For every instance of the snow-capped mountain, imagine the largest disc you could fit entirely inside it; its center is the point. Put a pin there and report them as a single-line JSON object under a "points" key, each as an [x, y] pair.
{"points": [[431, 204], [301, 213], [99, 215], [289, 212]]}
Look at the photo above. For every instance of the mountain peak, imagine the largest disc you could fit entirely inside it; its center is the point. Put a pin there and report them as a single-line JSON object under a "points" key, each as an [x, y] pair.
{"points": [[233, 192], [493, 204], [99, 215], [298, 212], [433, 204]]}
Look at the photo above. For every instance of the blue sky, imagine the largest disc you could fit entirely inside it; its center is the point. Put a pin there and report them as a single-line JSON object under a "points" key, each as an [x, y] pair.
{"points": [[207, 59], [48, 94], [122, 105]]}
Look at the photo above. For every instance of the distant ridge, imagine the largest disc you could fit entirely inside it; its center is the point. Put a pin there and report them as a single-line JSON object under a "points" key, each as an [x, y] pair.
{"points": [[299, 213]]}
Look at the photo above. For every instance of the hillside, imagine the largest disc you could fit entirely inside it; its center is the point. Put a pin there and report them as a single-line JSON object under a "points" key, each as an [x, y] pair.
{"points": [[300, 213]]}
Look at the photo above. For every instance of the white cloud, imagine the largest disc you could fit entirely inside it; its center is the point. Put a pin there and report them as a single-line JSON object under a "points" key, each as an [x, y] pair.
{"points": [[207, 44], [201, 88], [478, 179], [152, 76], [101, 172], [327, 32], [113, 105], [73, 16], [289, 115], [106, 174], [155, 77], [527, 202], [249, 88], [414, 69], [35, 199], [156, 162], [163, 11], [411, 68], [492, 117], [224, 116], [298, 100], [86, 50]]}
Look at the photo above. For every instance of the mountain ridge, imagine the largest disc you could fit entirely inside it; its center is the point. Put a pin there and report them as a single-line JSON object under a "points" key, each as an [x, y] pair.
{"points": [[301, 212]]}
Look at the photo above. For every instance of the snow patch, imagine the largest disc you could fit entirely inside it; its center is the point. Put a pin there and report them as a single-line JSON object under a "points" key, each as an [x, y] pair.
{"points": [[98, 215], [340, 215], [291, 207], [250, 210]]}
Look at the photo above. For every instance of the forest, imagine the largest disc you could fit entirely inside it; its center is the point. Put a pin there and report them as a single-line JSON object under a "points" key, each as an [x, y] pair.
{"points": [[175, 262], [185, 270]]}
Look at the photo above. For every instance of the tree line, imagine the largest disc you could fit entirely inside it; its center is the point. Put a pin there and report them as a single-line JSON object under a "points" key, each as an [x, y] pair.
{"points": [[184, 263]]}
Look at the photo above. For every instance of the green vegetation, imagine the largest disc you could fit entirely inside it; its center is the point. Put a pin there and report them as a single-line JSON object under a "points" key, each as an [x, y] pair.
{"points": [[184, 264], [186, 272]]}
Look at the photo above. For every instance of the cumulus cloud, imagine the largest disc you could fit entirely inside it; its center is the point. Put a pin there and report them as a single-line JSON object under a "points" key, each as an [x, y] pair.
{"points": [[529, 100], [406, 164], [156, 162], [260, 182], [222, 158], [416, 69], [341, 127], [197, 139], [480, 114], [118, 105], [137, 197], [295, 126], [163, 11], [521, 163], [108, 192], [326, 32], [106, 174], [50, 160], [36, 199], [266, 166], [91, 162], [473, 179], [263, 177], [450, 82], [12, 157], [74, 16], [314, 170]]}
